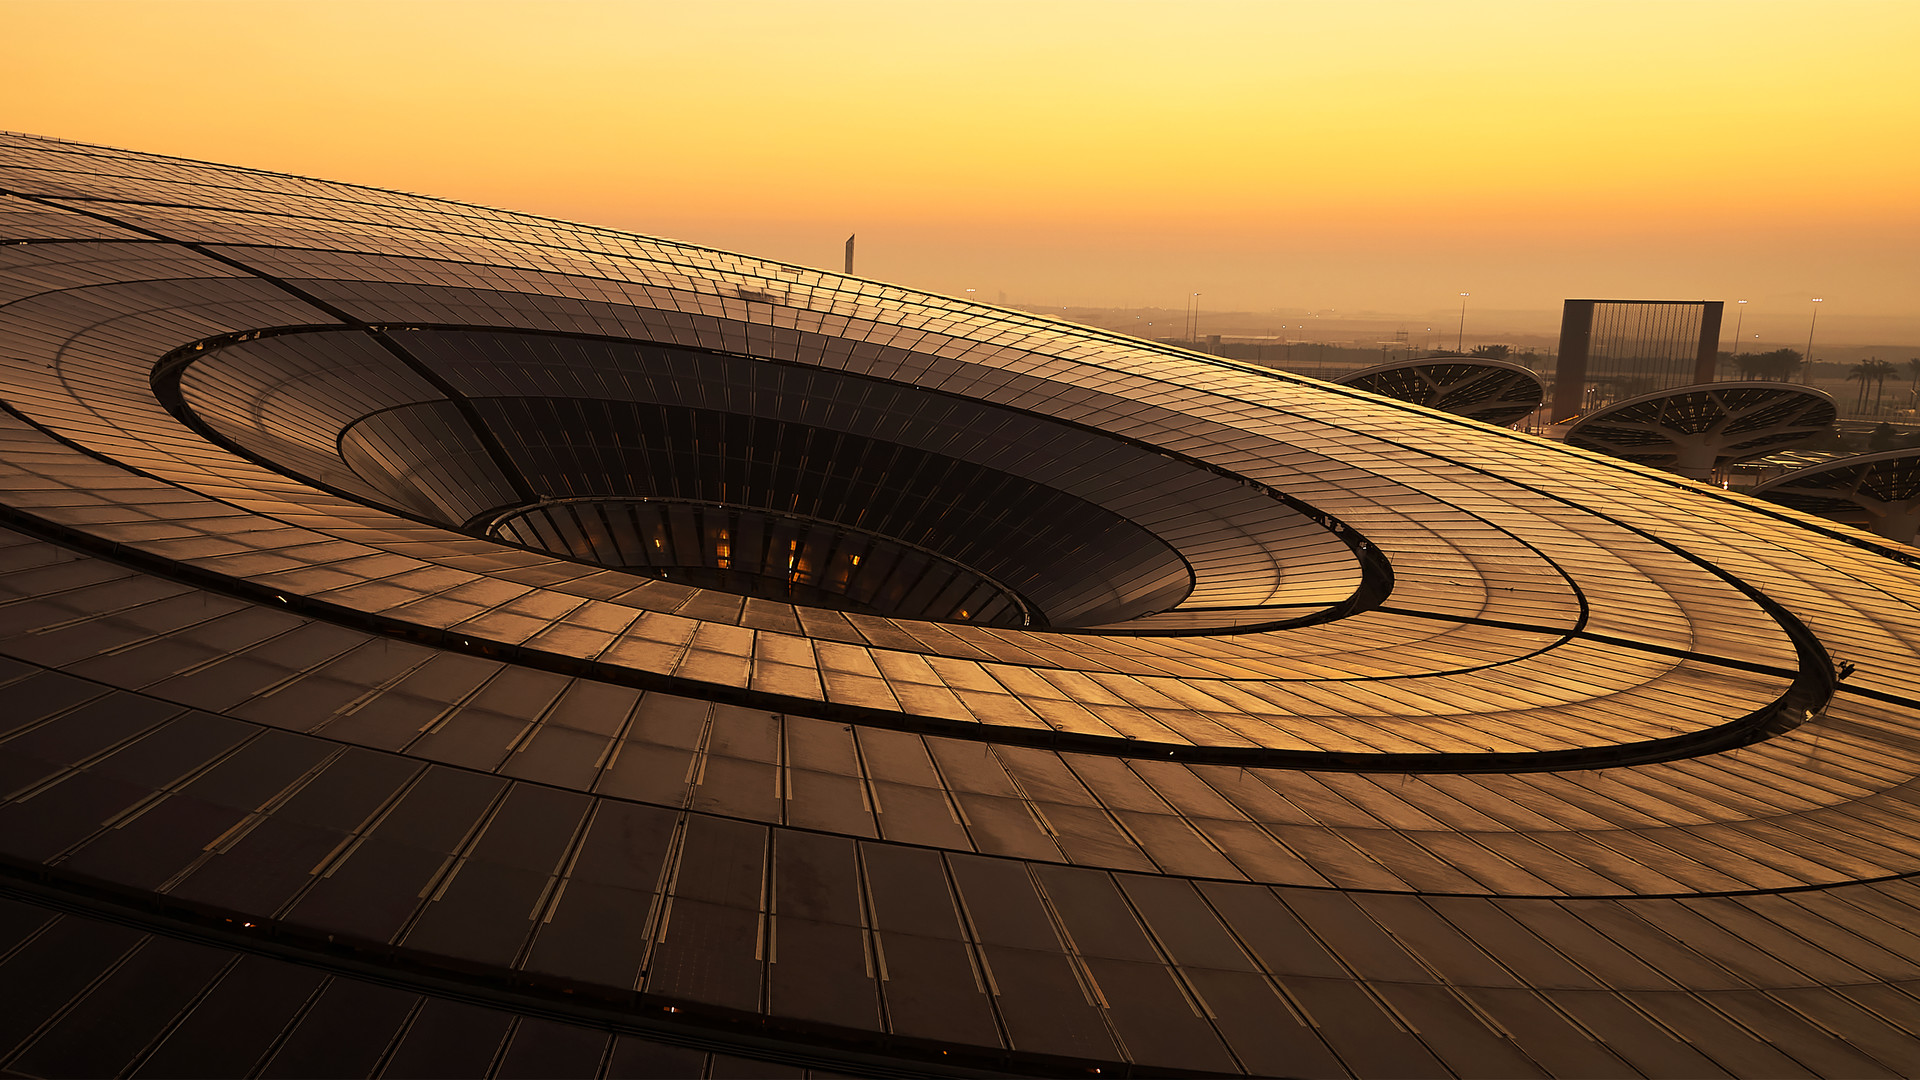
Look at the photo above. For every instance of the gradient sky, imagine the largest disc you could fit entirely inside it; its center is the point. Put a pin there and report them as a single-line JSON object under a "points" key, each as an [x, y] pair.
{"points": [[1356, 156]]}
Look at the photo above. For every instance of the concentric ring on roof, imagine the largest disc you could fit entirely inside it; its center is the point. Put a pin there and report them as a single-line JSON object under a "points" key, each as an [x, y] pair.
{"points": [[420, 380], [879, 497]]}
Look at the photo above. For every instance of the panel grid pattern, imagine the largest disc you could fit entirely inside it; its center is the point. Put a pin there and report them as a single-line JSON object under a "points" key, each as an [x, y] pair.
{"points": [[297, 774]]}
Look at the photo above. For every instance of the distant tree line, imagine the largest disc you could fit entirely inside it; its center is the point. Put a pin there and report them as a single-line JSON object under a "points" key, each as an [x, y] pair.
{"points": [[1780, 365]]}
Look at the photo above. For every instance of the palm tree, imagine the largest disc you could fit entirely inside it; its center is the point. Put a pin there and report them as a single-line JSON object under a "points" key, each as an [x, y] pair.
{"points": [[1881, 372], [1871, 370], [1861, 373], [1913, 392]]}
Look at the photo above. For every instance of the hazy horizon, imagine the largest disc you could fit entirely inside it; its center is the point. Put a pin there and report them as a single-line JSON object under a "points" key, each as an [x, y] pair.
{"points": [[1367, 157], [1535, 328]]}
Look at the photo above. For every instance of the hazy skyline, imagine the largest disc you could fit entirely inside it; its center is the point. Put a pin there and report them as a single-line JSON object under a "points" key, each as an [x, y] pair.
{"points": [[1377, 157]]}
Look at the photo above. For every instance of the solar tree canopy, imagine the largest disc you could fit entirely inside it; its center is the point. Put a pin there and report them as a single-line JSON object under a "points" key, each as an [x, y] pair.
{"points": [[1694, 429], [436, 640], [1497, 392], [1879, 491]]}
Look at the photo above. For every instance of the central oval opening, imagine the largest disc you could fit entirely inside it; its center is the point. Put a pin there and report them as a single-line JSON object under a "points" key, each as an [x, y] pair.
{"points": [[783, 480], [709, 496]]}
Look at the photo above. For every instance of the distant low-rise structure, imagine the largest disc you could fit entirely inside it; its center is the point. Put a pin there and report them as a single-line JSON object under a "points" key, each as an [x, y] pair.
{"points": [[1878, 492], [1497, 392], [1611, 350]]}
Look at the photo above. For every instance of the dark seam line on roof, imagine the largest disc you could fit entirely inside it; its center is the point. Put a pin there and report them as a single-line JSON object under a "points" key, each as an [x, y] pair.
{"points": [[1816, 665], [697, 1025], [485, 213], [167, 391], [1688, 654], [1795, 704], [1209, 609], [1588, 635], [820, 279], [1879, 695], [1868, 543], [200, 249], [484, 434], [9, 408], [38, 880], [82, 240], [599, 1006], [82, 289], [468, 412], [108, 690]]}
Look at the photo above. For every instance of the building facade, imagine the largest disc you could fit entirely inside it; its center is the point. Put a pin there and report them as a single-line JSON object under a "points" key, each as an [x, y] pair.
{"points": [[1612, 350]]}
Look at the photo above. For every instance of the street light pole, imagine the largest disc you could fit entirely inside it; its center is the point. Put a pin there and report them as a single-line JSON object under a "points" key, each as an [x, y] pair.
{"points": [[1737, 324], [1815, 321], [1462, 337]]}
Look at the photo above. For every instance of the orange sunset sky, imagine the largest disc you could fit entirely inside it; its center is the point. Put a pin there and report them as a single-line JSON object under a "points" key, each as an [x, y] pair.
{"points": [[1355, 156]]}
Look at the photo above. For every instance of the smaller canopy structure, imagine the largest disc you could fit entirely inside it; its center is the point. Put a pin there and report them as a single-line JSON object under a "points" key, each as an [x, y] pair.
{"points": [[1494, 392], [1693, 430], [1878, 492]]}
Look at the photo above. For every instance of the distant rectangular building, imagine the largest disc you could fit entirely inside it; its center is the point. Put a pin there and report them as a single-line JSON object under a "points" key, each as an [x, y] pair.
{"points": [[1611, 350]]}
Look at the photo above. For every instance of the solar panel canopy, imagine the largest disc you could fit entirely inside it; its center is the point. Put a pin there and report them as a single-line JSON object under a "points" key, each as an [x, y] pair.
{"points": [[1878, 491], [1491, 391], [1698, 430]]}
